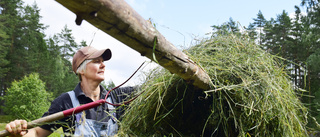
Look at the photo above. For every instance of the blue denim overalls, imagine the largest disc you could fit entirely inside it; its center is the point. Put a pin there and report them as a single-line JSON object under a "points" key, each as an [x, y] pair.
{"points": [[92, 128]]}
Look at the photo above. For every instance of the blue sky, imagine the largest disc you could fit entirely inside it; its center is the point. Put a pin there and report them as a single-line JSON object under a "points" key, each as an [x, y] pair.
{"points": [[180, 21], [194, 18]]}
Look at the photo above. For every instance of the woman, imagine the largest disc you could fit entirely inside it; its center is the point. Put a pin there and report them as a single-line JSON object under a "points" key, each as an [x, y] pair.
{"points": [[88, 64]]}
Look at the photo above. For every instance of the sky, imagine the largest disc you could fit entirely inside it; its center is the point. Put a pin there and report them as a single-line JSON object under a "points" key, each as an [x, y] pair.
{"points": [[182, 22]]}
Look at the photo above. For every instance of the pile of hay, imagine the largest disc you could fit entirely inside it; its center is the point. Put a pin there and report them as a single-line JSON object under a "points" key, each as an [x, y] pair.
{"points": [[252, 96]]}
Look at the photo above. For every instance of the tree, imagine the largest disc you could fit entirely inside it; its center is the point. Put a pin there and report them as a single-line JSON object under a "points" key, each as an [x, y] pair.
{"points": [[32, 41], [252, 31], [66, 42], [24, 49], [4, 46], [60, 77], [27, 49], [27, 98], [298, 50], [226, 28], [309, 4], [10, 19], [259, 23]]}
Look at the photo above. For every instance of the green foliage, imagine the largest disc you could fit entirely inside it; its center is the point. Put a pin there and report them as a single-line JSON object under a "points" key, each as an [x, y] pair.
{"points": [[60, 77], [296, 40], [259, 23], [27, 98], [313, 61], [66, 42], [24, 49], [3, 62], [226, 28], [8, 20], [6, 119], [4, 45]]}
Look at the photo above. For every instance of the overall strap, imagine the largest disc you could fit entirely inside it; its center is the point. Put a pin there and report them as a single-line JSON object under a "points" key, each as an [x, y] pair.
{"points": [[74, 99], [110, 107]]}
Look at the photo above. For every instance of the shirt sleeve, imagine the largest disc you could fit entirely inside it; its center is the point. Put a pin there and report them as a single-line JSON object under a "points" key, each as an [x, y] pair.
{"points": [[123, 94], [61, 103], [120, 95]]}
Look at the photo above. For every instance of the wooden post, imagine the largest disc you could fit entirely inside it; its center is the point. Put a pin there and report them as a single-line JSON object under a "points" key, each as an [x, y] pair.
{"points": [[118, 19]]}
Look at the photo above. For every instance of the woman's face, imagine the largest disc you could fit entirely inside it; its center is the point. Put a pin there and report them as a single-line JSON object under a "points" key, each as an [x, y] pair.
{"points": [[95, 69]]}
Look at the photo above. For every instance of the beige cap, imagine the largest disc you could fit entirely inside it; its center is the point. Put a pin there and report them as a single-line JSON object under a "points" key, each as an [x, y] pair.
{"points": [[88, 52]]}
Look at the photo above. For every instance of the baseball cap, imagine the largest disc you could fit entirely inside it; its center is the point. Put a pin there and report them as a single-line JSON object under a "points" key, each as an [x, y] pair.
{"points": [[89, 52]]}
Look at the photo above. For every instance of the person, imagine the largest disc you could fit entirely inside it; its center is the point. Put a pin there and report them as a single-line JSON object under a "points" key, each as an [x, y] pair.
{"points": [[88, 64]]}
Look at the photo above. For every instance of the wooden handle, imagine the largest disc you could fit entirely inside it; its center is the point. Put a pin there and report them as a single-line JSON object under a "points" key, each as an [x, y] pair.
{"points": [[38, 122], [4, 133], [58, 116]]}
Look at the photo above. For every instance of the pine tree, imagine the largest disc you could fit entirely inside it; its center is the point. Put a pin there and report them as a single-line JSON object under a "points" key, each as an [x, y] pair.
{"points": [[311, 45], [252, 33], [62, 46], [66, 42], [9, 20], [297, 49], [259, 23], [33, 40], [4, 47], [228, 27], [268, 41]]}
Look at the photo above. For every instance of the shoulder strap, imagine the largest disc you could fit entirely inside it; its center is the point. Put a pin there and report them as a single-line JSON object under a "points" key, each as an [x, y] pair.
{"points": [[110, 107], [74, 99]]}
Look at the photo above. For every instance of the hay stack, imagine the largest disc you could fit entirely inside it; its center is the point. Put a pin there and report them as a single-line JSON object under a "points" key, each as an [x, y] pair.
{"points": [[252, 96]]}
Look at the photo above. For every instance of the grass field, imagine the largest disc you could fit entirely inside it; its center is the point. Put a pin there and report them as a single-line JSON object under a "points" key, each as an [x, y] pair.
{"points": [[2, 126], [4, 119]]}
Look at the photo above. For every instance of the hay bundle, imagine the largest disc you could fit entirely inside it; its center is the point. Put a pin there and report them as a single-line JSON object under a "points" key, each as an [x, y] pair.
{"points": [[252, 96]]}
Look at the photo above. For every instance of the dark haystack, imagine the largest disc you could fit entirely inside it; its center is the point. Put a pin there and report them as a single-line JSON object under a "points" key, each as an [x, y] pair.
{"points": [[252, 96]]}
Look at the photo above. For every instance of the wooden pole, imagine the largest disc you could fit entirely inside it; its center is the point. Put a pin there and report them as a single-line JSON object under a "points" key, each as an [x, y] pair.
{"points": [[118, 19]]}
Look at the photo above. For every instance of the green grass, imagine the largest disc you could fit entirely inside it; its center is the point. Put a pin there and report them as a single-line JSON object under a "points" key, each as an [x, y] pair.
{"points": [[252, 96], [5, 118], [57, 133], [2, 126]]}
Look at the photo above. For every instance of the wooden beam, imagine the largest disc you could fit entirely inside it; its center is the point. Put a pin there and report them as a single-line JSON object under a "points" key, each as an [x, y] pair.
{"points": [[118, 19]]}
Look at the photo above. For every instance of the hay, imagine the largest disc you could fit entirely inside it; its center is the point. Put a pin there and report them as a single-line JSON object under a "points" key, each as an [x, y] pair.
{"points": [[252, 96]]}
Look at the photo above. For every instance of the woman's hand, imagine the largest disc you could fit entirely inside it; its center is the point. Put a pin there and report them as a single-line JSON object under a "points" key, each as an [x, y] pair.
{"points": [[17, 127]]}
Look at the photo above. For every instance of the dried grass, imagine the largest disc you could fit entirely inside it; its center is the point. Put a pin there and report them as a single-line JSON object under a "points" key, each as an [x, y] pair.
{"points": [[252, 96]]}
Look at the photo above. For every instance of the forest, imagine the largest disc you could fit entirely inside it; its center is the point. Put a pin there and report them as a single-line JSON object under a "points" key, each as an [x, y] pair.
{"points": [[25, 49]]}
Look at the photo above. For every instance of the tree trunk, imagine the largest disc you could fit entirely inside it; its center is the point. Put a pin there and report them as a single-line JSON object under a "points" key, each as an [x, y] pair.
{"points": [[118, 19]]}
